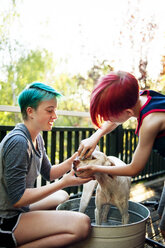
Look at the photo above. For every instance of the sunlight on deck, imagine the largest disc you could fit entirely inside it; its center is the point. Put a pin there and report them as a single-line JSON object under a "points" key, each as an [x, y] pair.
{"points": [[139, 193]]}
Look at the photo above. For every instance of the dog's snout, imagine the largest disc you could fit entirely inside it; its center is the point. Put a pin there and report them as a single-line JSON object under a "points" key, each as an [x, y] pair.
{"points": [[75, 163]]}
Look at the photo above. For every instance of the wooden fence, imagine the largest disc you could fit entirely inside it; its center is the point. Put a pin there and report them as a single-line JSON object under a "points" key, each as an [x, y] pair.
{"points": [[62, 142]]}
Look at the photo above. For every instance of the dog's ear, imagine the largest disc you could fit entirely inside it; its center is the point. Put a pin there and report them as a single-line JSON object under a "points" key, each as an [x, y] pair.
{"points": [[97, 149], [93, 157], [109, 162]]}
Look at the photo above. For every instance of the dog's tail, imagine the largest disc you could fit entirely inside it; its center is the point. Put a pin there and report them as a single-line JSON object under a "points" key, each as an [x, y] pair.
{"points": [[88, 189]]}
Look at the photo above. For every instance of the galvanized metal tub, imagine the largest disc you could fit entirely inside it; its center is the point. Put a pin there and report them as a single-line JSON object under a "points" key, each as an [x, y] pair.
{"points": [[113, 234]]}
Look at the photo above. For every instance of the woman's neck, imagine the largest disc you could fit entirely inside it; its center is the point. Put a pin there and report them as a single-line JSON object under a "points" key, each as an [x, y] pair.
{"points": [[32, 131], [141, 101]]}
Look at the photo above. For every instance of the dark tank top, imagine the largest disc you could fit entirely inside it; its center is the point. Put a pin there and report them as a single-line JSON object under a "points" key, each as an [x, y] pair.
{"points": [[155, 103]]}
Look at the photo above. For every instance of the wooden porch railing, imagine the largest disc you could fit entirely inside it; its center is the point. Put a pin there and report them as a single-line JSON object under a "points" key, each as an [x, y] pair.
{"points": [[62, 142]]}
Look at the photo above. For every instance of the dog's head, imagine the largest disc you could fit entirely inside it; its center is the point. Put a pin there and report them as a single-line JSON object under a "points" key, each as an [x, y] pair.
{"points": [[97, 158]]}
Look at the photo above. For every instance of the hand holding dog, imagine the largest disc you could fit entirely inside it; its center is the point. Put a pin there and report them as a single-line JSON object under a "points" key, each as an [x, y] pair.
{"points": [[86, 147], [70, 179], [86, 171]]}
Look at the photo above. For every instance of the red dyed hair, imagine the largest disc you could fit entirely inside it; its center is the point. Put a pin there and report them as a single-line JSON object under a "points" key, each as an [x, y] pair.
{"points": [[113, 94]]}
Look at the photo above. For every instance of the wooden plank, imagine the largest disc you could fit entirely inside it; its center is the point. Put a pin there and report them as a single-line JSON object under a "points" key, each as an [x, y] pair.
{"points": [[16, 109]]}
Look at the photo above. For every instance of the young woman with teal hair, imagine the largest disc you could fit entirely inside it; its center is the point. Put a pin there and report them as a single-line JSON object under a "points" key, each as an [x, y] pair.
{"points": [[25, 216]]}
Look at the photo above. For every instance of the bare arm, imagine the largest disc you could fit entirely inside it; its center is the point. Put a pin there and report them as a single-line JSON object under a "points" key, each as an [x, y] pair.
{"points": [[59, 170], [32, 195], [90, 143], [148, 132]]}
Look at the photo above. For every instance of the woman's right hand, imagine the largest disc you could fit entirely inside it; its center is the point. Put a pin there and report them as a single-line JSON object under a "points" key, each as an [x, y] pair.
{"points": [[86, 147], [70, 179]]}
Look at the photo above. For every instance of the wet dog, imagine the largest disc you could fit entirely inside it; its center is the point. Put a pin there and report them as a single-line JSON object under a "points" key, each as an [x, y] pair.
{"points": [[110, 189]]}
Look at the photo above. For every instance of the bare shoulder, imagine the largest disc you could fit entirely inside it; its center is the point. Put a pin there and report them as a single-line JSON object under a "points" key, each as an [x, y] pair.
{"points": [[155, 121], [153, 124]]}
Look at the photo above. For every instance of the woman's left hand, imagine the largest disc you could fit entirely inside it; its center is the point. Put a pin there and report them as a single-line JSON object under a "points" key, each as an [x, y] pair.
{"points": [[71, 180], [86, 171]]}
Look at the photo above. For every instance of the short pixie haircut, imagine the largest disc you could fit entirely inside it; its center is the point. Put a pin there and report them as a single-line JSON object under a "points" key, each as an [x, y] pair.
{"points": [[35, 93], [113, 94]]}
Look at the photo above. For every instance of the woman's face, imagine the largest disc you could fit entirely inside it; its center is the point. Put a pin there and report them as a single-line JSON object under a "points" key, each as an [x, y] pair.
{"points": [[45, 115], [121, 118]]}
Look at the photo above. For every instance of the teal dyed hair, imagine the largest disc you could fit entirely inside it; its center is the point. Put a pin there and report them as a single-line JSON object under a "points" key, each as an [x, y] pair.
{"points": [[34, 94]]}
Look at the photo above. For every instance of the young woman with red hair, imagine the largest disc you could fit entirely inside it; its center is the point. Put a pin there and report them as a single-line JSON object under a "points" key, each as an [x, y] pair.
{"points": [[114, 100]]}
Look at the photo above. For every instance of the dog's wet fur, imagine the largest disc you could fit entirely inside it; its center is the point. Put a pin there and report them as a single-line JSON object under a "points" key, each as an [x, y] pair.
{"points": [[110, 190]]}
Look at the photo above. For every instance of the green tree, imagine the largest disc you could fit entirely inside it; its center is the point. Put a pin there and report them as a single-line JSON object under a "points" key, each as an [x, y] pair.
{"points": [[36, 66], [77, 91]]}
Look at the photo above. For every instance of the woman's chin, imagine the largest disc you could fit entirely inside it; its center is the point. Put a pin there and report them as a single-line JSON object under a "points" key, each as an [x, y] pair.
{"points": [[50, 125]]}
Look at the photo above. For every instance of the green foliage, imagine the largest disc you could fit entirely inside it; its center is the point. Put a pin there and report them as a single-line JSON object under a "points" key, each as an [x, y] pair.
{"points": [[20, 67], [9, 119], [34, 67]]}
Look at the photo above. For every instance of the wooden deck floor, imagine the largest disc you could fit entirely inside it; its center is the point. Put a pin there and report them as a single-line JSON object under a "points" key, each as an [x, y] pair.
{"points": [[150, 192]]}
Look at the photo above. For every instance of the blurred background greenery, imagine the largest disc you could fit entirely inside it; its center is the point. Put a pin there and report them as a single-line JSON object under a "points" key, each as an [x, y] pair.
{"points": [[21, 64]]}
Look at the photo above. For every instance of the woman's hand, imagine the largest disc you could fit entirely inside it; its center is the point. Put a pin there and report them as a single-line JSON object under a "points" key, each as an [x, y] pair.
{"points": [[70, 179], [86, 171], [86, 147], [71, 159]]}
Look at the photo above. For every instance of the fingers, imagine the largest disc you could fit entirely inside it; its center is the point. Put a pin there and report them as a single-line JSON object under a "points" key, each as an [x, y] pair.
{"points": [[85, 167], [80, 149], [74, 155], [88, 152], [83, 148], [72, 172], [85, 151], [86, 147], [80, 180]]}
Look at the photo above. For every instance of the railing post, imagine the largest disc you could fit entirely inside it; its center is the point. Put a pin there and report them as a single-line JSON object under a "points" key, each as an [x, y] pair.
{"points": [[114, 142], [61, 146], [69, 144]]}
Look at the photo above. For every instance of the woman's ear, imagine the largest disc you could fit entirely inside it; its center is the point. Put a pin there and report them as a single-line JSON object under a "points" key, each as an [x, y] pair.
{"points": [[129, 112], [108, 162], [29, 112]]}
